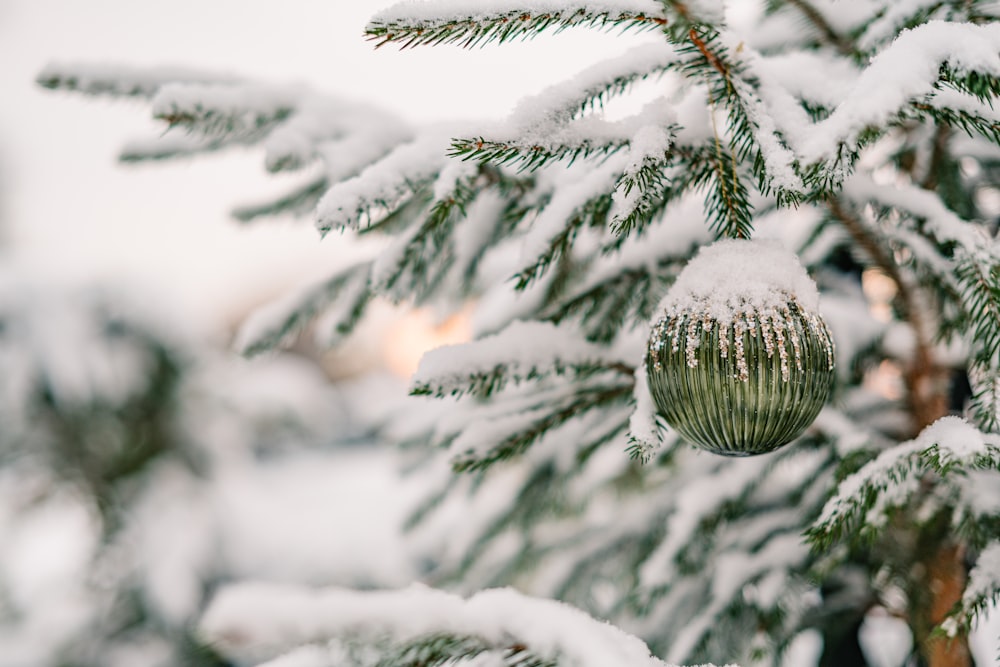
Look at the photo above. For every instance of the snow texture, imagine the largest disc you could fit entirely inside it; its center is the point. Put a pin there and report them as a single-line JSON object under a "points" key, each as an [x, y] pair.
{"points": [[436, 12], [119, 80], [906, 70], [243, 105], [520, 349], [346, 132], [984, 579], [574, 188], [701, 496], [564, 100], [952, 439], [924, 204], [732, 276], [891, 20], [732, 571], [258, 620], [642, 425], [384, 183], [647, 148]]}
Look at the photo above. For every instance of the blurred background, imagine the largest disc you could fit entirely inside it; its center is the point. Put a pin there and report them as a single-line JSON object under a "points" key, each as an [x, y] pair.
{"points": [[142, 463]]}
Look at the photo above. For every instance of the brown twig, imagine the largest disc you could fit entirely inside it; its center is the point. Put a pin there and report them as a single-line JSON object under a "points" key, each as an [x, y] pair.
{"points": [[709, 56], [924, 378], [823, 26]]}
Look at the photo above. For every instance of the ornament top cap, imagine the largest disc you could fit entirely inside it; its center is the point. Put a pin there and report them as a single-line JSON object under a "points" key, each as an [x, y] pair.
{"points": [[734, 276]]}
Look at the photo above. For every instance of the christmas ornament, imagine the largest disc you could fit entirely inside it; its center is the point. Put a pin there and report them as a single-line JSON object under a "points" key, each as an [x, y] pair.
{"points": [[740, 362]]}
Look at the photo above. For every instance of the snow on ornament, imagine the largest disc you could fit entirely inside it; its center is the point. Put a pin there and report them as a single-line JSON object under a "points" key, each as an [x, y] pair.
{"points": [[740, 361]]}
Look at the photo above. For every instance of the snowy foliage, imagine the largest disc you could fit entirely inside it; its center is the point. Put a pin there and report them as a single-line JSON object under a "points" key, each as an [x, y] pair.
{"points": [[139, 465], [858, 136], [416, 625]]}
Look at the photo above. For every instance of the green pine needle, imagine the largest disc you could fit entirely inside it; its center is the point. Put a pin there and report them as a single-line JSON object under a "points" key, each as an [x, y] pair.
{"points": [[501, 27]]}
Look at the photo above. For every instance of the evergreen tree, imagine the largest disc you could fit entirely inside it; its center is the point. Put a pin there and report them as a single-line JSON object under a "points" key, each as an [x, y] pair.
{"points": [[120, 438], [860, 134]]}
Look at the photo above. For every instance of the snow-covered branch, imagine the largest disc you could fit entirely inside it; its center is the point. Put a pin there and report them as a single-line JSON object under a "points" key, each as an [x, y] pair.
{"points": [[258, 621], [477, 24], [863, 500]]}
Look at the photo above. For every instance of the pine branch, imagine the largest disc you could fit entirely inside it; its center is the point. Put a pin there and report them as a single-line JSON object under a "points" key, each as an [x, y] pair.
{"points": [[296, 202], [276, 323], [422, 255], [643, 188], [540, 422], [974, 268], [529, 156], [605, 307], [384, 186], [246, 110], [753, 134], [580, 203], [984, 379], [522, 352], [981, 593], [122, 81], [592, 214], [832, 145], [417, 626], [894, 19], [727, 202], [407, 26], [166, 147], [645, 435], [860, 505], [816, 18]]}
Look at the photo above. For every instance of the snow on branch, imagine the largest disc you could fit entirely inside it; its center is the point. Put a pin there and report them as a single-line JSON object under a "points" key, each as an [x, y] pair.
{"points": [[624, 284], [448, 232], [345, 293], [469, 24], [863, 500], [165, 147], [590, 88], [702, 497], [122, 81], [548, 126], [907, 70], [972, 274], [895, 17], [581, 199], [981, 591], [430, 627], [323, 121], [644, 432], [384, 185], [643, 184], [522, 351], [300, 200], [924, 205], [213, 109], [297, 126]]}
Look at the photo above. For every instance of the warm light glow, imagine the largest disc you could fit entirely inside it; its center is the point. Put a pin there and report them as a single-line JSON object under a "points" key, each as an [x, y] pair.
{"points": [[417, 332], [880, 290], [885, 380]]}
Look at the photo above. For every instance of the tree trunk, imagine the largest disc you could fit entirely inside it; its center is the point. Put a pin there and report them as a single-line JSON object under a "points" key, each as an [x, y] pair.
{"points": [[944, 580]]}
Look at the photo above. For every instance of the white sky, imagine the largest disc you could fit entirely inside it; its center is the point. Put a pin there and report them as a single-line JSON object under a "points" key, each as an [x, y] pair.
{"points": [[67, 206]]}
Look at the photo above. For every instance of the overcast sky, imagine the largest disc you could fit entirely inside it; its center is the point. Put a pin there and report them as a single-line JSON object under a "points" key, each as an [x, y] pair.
{"points": [[66, 205]]}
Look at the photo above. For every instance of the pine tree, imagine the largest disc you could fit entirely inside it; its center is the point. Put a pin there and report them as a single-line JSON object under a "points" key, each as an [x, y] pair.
{"points": [[861, 134], [114, 447]]}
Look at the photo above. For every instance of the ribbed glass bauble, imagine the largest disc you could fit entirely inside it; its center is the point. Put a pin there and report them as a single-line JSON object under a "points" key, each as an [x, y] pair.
{"points": [[740, 362]]}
